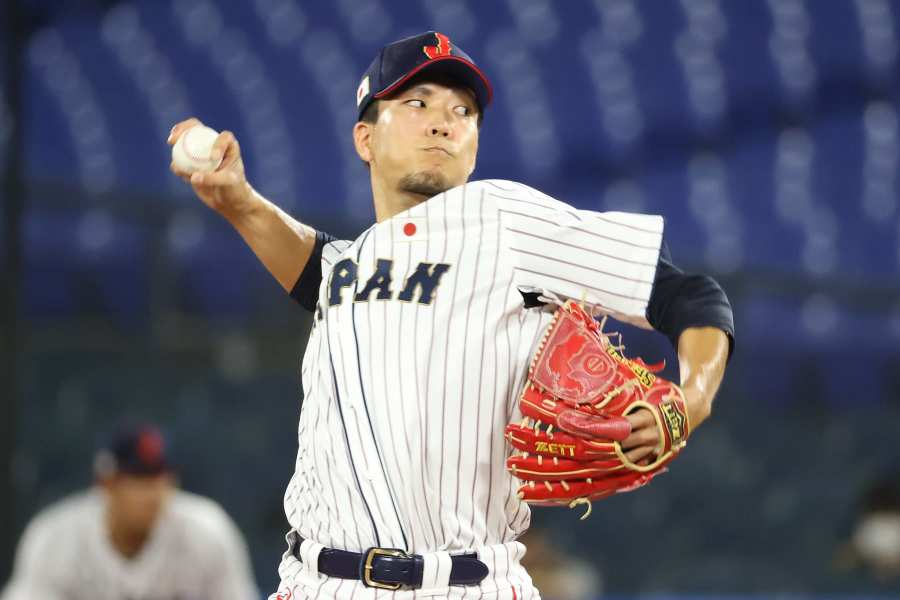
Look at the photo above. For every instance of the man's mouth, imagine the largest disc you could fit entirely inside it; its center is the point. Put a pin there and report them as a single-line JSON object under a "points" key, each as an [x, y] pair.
{"points": [[437, 149]]}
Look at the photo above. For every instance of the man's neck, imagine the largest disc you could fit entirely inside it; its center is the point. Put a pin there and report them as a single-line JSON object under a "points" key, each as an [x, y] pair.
{"points": [[389, 202], [128, 544]]}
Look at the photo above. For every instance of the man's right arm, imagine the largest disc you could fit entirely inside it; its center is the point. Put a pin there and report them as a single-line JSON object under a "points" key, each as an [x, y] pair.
{"points": [[282, 244]]}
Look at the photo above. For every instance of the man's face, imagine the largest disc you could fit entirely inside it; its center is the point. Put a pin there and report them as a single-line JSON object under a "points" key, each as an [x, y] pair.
{"points": [[426, 138], [135, 502]]}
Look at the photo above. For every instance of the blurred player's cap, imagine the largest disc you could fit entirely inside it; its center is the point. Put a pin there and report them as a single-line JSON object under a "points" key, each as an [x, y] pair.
{"points": [[430, 52], [133, 450]]}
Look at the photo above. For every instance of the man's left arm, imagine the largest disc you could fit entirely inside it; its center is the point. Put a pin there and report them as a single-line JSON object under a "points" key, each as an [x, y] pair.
{"points": [[702, 355], [695, 314]]}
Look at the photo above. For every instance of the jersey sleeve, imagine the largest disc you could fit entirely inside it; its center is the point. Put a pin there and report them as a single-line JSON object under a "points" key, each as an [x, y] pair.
{"points": [[605, 259], [681, 300], [306, 290], [32, 576]]}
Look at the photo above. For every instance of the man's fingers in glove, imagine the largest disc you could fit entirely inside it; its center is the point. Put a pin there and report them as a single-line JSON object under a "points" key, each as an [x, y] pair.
{"points": [[640, 455], [643, 441], [644, 431], [594, 427]]}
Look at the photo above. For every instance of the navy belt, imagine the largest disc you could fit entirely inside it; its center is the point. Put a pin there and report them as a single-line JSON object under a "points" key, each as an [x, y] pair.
{"points": [[389, 568]]}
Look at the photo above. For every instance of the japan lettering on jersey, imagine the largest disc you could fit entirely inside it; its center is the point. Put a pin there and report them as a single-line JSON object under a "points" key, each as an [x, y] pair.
{"points": [[419, 349]]}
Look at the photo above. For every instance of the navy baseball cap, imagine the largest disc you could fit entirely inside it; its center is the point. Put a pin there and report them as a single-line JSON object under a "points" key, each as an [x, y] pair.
{"points": [[134, 450], [431, 52]]}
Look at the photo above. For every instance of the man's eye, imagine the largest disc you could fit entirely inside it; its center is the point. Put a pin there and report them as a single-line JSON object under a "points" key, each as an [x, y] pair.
{"points": [[463, 110], [415, 102]]}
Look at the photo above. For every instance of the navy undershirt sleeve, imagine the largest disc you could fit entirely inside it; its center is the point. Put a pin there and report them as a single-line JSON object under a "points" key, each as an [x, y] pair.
{"points": [[306, 290], [681, 300]]}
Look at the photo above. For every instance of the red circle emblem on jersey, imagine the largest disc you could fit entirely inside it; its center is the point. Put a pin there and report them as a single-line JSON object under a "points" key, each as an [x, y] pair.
{"points": [[409, 229]]}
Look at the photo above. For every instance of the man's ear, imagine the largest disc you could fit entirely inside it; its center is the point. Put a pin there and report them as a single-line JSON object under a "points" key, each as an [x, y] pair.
{"points": [[362, 140]]}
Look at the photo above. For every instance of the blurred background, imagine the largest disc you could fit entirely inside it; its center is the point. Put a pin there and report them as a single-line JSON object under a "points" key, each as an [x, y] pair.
{"points": [[765, 131]]}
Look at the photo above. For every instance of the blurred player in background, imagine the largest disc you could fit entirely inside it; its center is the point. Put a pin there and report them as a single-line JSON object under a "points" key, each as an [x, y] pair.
{"points": [[133, 536]]}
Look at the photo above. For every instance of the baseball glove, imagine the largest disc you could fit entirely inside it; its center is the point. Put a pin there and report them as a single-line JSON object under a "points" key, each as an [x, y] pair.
{"points": [[579, 390]]}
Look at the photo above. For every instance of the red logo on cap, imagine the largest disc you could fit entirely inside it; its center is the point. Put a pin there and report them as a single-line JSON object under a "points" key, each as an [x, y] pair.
{"points": [[150, 447], [409, 229], [442, 49]]}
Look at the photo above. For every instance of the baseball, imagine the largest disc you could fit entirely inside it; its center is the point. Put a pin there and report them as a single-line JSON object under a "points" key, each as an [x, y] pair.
{"points": [[191, 152]]}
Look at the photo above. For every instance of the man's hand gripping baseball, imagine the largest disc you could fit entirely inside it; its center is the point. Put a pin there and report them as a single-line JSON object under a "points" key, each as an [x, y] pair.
{"points": [[596, 423], [281, 243], [226, 189]]}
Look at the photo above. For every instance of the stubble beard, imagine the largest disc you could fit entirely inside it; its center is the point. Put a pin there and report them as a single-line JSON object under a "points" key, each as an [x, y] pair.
{"points": [[426, 183]]}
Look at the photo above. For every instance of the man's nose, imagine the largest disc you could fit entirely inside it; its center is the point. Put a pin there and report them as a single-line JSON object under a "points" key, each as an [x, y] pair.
{"points": [[439, 130], [439, 126]]}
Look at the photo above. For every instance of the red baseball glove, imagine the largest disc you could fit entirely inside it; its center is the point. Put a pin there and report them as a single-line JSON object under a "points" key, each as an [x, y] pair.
{"points": [[579, 390]]}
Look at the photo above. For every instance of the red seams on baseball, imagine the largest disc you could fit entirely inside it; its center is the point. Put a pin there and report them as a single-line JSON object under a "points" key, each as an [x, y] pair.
{"points": [[192, 150], [409, 229]]}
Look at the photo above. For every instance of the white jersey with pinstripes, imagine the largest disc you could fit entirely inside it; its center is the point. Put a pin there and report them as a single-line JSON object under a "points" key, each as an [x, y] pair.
{"points": [[418, 352], [194, 552]]}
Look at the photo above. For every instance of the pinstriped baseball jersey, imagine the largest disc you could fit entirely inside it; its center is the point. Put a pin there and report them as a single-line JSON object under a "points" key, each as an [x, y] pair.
{"points": [[418, 352]]}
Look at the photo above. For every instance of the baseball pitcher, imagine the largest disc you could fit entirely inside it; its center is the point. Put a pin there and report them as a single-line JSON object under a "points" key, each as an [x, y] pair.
{"points": [[458, 368]]}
